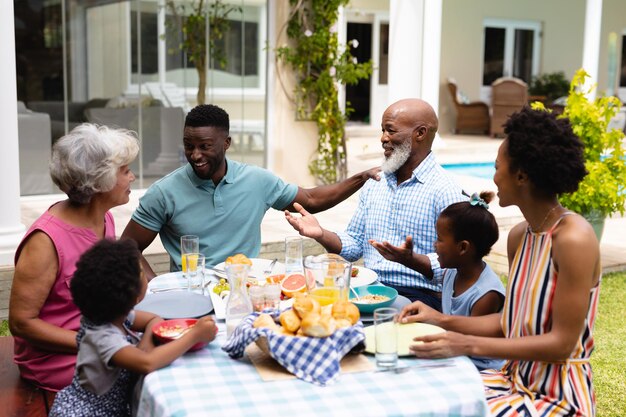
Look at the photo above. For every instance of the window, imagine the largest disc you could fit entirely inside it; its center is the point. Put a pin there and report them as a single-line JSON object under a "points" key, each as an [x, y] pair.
{"points": [[242, 49], [511, 49], [622, 71], [149, 43]]}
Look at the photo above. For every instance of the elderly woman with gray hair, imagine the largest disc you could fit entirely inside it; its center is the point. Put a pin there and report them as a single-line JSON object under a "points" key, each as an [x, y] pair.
{"points": [[90, 165]]}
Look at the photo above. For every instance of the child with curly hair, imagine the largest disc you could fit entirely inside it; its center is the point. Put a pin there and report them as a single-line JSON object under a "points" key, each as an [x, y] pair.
{"points": [[107, 284], [466, 231]]}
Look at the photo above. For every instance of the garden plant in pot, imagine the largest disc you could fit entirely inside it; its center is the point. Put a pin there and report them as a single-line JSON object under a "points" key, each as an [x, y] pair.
{"points": [[603, 191]]}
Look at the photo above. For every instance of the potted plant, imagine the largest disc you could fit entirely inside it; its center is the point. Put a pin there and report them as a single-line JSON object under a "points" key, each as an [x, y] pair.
{"points": [[603, 191], [549, 86]]}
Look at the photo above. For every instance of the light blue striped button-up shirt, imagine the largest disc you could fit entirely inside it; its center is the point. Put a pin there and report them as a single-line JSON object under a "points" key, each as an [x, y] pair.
{"points": [[391, 212]]}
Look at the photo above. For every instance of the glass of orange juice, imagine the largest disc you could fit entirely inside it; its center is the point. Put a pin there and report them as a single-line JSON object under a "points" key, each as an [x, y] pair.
{"points": [[327, 277], [188, 244]]}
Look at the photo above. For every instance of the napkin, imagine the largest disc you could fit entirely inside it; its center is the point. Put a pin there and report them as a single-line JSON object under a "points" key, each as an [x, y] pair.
{"points": [[311, 359], [270, 370]]}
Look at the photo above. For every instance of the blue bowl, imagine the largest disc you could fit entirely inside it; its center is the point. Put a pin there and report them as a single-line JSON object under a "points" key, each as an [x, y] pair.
{"points": [[392, 293]]}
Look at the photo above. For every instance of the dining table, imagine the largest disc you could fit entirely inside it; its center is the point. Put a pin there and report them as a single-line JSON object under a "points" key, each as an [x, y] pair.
{"points": [[209, 382]]}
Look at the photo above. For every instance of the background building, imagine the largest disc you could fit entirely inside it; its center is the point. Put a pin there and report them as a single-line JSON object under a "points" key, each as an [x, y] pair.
{"points": [[119, 63]]}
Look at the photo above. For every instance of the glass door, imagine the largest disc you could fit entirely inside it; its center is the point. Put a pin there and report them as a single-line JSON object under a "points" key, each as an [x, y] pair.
{"points": [[122, 63], [511, 49]]}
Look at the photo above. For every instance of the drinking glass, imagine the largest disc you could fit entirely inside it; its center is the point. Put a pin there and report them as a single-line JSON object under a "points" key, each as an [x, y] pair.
{"points": [[238, 304], [293, 255], [188, 244], [327, 277], [386, 335], [194, 263]]}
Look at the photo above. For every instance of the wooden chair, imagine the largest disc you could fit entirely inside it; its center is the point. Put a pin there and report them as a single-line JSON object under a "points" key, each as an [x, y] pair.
{"points": [[508, 95], [472, 116], [19, 397]]}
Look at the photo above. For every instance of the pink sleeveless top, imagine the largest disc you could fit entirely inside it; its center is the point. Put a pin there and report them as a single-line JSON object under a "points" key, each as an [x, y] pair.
{"points": [[54, 371]]}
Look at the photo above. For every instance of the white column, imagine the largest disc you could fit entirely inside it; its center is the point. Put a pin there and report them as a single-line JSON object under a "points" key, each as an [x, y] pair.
{"points": [[415, 51], [11, 229], [406, 19], [431, 55], [591, 45]]}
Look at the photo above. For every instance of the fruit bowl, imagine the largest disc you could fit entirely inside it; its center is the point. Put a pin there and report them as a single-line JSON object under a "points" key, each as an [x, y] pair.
{"points": [[373, 290], [168, 330]]}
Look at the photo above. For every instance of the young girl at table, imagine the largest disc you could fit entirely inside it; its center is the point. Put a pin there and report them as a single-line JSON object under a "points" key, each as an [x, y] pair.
{"points": [[107, 284], [466, 231]]}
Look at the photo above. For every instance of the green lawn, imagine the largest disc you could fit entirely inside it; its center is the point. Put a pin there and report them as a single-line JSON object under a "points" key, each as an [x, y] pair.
{"points": [[608, 360]]}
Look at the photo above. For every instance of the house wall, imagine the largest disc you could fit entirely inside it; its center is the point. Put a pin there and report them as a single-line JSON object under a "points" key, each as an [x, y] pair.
{"points": [[462, 41], [613, 20]]}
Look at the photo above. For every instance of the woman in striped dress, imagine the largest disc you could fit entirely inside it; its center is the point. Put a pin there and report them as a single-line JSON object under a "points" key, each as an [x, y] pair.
{"points": [[546, 327]]}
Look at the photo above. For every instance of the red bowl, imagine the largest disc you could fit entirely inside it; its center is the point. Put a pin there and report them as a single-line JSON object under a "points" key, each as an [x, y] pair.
{"points": [[169, 330]]}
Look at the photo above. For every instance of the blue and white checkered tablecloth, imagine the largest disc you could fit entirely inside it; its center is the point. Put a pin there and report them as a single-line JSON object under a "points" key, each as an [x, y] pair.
{"points": [[209, 382]]}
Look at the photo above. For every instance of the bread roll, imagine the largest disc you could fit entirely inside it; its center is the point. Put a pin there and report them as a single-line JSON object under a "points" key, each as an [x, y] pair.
{"points": [[285, 332], [290, 321], [240, 258], [342, 323], [343, 309], [303, 305], [315, 325], [265, 321]]}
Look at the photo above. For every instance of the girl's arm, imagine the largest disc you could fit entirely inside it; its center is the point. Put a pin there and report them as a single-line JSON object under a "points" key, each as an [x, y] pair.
{"points": [[137, 360], [418, 312], [577, 275], [35, 274], [487, 304], [143, 323]]}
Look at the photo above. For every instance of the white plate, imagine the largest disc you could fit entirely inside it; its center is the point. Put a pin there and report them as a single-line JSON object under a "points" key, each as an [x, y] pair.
{"points": [[365, 277], [176, 304], [258, 266], [406, 333], [400, 302], [219, 303]]}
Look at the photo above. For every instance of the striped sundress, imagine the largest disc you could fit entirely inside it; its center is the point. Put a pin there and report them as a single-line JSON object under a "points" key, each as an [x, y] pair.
{"points": [[531, 388]]}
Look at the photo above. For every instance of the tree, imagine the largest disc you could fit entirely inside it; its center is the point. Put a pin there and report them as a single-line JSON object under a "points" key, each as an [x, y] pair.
{"points": [[193, 19]]}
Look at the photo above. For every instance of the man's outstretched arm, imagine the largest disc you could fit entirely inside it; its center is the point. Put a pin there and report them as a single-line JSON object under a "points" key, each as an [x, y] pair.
{"points": [[307, 225], [326, 196]]}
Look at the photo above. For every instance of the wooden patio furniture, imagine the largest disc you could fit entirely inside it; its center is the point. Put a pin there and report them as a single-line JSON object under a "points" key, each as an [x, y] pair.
{"points": [[508, 95], [470, 116]]}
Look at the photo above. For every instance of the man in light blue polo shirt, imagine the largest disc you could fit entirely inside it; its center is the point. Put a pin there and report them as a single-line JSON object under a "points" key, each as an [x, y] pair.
{"points": [[220, 200]]}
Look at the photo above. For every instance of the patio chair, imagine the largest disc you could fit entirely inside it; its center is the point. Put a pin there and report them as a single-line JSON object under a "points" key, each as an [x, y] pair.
{"points": [[470, 116], [508, 95]]}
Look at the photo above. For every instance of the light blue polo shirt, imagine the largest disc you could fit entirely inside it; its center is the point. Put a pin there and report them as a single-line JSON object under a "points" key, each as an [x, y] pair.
{"points": [[226, 217]]}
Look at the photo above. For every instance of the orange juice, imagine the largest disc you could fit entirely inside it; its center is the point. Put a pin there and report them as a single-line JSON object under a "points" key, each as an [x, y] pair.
{"points": [[193, 261], [325, 295]]}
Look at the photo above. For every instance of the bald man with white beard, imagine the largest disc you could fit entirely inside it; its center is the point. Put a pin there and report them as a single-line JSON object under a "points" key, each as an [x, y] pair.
{"points": [[401, 209]]}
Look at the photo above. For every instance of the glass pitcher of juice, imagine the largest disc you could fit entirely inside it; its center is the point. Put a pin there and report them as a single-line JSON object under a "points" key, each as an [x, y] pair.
{"points": [[327, 277]]}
